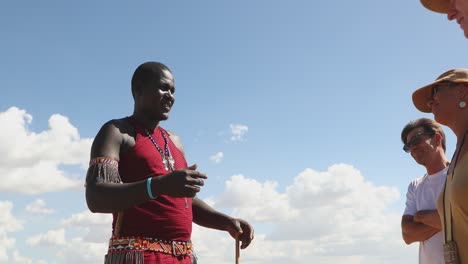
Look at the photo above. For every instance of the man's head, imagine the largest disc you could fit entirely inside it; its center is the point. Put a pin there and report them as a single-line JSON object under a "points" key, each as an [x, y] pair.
{"points": [[423, 138], [153, 90], [455, 9], [147, 73]]}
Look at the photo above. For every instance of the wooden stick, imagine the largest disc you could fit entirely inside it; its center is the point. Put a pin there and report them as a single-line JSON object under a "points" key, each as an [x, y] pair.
{"points": [[237, 251], [118, 223]]}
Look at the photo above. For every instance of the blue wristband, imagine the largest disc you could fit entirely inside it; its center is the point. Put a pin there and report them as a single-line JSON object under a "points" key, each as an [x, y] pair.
{"points": [[148, 189]]}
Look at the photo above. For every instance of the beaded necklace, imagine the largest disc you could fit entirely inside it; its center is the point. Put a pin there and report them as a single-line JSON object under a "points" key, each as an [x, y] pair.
{"points": [[167, 159], [166, 156]]}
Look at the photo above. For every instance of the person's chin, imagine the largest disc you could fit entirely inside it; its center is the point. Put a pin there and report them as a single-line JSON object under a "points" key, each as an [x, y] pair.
{"points": [[439, 119], [464, 27], [164, 116], [419, 159]]}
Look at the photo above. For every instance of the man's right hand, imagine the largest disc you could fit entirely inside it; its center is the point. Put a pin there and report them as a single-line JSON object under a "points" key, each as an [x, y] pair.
{"points": [[179, 183]]}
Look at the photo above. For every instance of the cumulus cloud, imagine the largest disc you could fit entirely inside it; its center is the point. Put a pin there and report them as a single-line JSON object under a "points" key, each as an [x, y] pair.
{"points": [[335, 216], [90, 252], [31, 159], [19, 259], [238, 132], [96, 227], [93, 233], [8, 223], [332, 216], [218, 157], [354, 208], [39, 207], [259, 202], [49, 239], [6, 244]]}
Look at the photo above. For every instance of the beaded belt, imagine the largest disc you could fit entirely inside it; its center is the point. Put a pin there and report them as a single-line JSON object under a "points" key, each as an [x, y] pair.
{"points": [[175, 248]]}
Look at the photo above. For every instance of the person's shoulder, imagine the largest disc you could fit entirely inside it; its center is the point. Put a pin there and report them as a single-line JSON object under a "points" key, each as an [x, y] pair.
{"points": [[416, 182], [119, 126], [118, 123], [110, 138], [176, 140], [171, 134]]}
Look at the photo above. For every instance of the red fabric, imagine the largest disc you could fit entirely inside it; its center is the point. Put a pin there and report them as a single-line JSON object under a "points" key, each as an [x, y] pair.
{"points": [[155, 258], [166, 217]]}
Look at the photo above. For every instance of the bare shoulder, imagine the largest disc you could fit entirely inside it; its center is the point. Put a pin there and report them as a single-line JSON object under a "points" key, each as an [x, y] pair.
{"points": [[110, 139], [177, 141]]}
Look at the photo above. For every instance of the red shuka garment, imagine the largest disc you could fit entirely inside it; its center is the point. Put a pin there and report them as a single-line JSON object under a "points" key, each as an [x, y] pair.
{"points": [[166, 217]]}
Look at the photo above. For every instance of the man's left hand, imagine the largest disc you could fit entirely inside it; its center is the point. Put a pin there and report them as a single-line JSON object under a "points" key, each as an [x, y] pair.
{"points": [[239, 228]]}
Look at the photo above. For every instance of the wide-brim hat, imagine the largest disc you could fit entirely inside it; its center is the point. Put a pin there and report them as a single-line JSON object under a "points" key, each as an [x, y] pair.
{"points": [[423, 95], [439, 6]]}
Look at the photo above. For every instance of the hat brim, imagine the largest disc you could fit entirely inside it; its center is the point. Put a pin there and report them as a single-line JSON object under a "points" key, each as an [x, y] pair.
{"points": [[439, 6], [423, 95]]}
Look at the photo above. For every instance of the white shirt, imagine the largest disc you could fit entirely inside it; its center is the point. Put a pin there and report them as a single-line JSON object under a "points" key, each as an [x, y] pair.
{"points": [[422, 195]]}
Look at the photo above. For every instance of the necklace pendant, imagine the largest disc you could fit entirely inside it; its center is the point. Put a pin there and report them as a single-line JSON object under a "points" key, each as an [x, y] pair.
{"points": [[166, 164], [170, 163]]}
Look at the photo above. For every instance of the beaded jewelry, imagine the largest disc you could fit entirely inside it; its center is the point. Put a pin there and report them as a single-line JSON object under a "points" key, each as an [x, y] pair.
{"points": [[166, 156]]}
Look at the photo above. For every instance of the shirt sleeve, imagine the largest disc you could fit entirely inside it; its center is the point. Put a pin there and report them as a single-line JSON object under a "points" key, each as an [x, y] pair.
{"points": [[410, 208]]}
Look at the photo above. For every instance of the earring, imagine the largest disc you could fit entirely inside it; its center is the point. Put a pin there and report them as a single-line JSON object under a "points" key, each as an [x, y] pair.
{"points": [[462, 104]]}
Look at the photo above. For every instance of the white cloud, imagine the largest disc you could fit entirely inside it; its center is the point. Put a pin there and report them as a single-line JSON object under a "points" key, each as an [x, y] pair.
{"points": [[238, 132], [8, 223], [259, 202], [96, 227], [89, 252], [31, 159], [19, 259], [94, 231], [6, 244], [49, 239], [218, 157], [39, 207], [334, 216], [87, 218]]}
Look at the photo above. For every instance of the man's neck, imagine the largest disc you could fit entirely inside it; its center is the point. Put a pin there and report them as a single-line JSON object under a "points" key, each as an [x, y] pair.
{"points": [[144, 121], [437, 165]]}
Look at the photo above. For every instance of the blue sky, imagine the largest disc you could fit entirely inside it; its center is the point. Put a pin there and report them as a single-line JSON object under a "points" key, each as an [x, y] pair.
{"points": [[319, 93]]}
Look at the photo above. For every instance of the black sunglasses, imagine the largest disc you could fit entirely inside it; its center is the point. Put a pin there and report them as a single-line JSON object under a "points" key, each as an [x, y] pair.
{"points": [[437, 87], [415, 140]]}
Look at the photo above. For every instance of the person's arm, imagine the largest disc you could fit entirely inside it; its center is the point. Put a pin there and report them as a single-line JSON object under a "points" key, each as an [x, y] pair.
{"points": [[415, 231], [429, 217], [205, 215], [106, 194]]}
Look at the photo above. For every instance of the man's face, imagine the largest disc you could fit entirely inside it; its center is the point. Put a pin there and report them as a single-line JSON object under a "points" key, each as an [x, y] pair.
{"points": [[459, 12], [157, 97], [421, 145]]}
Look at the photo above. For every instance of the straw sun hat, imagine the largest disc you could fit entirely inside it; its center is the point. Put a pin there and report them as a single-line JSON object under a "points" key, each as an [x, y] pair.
{"points": [[439, 6], [422, 96]]}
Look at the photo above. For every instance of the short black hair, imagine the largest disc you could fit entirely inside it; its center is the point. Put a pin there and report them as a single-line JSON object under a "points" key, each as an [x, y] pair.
{"points": [[147, 73]]}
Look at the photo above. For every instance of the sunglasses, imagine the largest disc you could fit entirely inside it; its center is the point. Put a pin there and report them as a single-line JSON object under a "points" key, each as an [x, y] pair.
{"points": [[415, 140], [442, 85]]}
